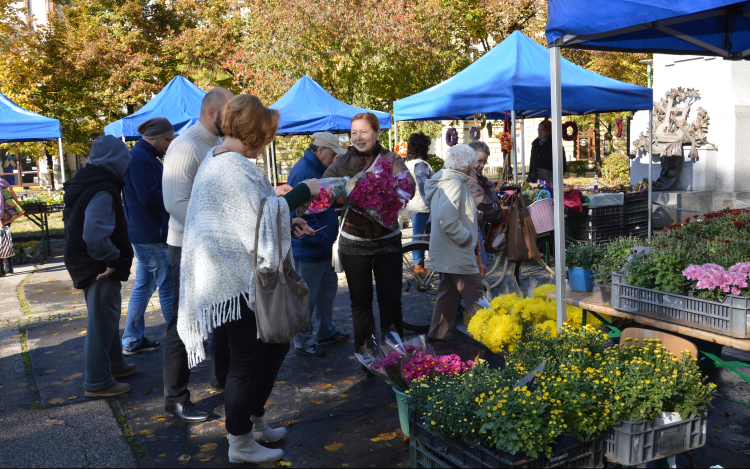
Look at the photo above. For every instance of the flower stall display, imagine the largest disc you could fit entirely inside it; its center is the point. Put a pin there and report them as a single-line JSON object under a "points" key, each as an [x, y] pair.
{"points": [[380, 194], [585, 388], [510, 319], [581, 258], [401, 148], [330, 190]]}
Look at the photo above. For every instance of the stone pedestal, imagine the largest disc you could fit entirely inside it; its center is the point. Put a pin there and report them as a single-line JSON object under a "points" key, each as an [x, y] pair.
{"points": [[696, 175]]}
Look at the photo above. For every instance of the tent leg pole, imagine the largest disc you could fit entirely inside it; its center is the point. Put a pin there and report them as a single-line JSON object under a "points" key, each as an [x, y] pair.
{"points": [[515, 155], [557, 175], [268, 164], [62, 160], [273, 162], [123, 139], [390, 137], [523, 151], [650, 162], [395, 133]]}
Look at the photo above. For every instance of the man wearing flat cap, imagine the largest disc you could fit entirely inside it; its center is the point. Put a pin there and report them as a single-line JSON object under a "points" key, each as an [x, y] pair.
{"points": [[148, 225], [312, 254], [540, 163]]}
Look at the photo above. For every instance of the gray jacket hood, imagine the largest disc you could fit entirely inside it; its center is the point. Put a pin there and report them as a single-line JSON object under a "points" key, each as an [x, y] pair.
{"points": [[110, 153], [443, 176]]}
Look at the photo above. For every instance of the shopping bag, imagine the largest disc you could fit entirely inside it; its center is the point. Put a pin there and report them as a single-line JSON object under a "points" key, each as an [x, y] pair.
{"points": [[521, 232]]}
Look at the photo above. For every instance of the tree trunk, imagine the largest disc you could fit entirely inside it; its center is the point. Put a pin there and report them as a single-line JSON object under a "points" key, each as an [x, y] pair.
{"points": [[597, 146], [50, 168]]}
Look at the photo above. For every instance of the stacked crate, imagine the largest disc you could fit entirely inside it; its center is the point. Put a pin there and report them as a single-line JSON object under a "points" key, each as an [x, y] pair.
{"points": [[597, 225], [635, 215]]}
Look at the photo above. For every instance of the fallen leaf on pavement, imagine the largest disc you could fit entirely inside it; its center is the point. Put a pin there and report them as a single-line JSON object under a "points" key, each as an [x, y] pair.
{"points": [[208, 447], [737, 439], [56, 333], [393, 405], [330, 370], [287, 423], [56, 400], [317, 401], [347, 382], [53, 422], [345, 465], [278, 383], [15, 336], [369, 405], [82, 333], [148, 390], [148, 437], [385, 437], [156, 417], [285, 463], [184, 458], [269, 403], [342, 395], [719, 430], [334, 446], [72, 398], [207, 458], [145, 432], [22, 385], [151, 317], [46, 353], [162, 455], [323, 386], [734, 427]]}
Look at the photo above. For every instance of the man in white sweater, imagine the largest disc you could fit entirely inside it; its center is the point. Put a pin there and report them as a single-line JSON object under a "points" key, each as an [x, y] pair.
{"points": [[181, 163]]}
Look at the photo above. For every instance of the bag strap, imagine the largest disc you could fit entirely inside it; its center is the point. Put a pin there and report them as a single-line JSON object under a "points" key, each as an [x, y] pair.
{"points": [[257, 230], [341, 226]]}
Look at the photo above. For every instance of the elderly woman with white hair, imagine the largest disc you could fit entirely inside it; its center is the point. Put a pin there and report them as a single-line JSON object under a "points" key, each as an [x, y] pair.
{"points": [[453, 239]]}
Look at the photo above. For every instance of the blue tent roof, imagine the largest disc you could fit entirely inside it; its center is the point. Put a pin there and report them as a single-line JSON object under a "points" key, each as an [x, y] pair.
{"points": [[179, 102], [699, 27], [307, 108], [19, 125], [515, 75]]}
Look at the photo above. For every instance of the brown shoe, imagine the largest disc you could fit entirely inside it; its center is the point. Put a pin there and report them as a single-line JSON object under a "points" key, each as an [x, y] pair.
{"points": [[127, 371], [419, 270], [117, 389]]}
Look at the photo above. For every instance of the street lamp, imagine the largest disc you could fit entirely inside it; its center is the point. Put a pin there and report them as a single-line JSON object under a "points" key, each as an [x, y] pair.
{"points": [[648, 63]]}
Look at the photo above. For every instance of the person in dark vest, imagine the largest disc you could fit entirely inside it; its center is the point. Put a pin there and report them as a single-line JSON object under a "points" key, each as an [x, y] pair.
{"points": [[98, 256], [540, 163]]}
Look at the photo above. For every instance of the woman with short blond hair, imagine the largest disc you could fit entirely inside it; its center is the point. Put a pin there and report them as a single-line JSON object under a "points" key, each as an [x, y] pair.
{"points": [[217, 287]]}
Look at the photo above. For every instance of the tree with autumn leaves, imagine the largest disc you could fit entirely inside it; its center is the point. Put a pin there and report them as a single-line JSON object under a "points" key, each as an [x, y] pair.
{"points": [[99, 60]]}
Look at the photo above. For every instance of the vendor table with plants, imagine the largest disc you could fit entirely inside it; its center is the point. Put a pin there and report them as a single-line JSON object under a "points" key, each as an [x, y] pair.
{"points": [[37, 210]]}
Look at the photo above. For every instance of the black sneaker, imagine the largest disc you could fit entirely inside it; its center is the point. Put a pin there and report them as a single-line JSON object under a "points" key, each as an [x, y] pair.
{"points": [[337, 338], [312, 351], [145, 346]]}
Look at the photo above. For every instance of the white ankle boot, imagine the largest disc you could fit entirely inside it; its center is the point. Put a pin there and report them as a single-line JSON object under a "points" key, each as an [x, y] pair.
{"points": [[265, 434], [243, 448]]}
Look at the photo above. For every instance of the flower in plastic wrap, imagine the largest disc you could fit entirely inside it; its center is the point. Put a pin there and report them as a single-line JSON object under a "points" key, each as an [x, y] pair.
{"points": [[381, 194]]}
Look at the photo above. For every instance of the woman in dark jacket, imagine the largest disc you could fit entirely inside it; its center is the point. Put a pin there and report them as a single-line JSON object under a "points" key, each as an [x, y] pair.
{"points": [[365, 246]]}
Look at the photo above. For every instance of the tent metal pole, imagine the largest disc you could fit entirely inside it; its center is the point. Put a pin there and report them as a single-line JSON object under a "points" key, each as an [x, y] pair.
{"points": [[523, 151], [268, 164], [273, 162], [557, 176], [650, 162], [123, 139], [395, 131], [515, 154], [62, 159], [390, 137]]}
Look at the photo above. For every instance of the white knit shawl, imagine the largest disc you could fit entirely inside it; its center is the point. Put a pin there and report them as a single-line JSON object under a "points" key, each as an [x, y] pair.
{"points": [[217, 269]]}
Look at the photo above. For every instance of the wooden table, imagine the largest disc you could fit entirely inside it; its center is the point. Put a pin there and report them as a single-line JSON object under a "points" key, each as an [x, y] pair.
{"points": [[591, 302]]}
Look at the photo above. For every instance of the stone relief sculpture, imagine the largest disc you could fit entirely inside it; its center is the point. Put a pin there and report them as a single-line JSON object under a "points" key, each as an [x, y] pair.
{"points": [[671, 131]]}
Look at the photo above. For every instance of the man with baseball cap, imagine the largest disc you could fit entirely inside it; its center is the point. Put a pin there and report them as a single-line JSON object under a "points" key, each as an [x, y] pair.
{"points": [[312, 254], [540, 163], [148, 224]]}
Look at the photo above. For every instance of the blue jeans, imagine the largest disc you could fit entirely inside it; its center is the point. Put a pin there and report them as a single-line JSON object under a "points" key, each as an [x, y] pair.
{"points": [[418, 222], [323, 284], [152, 270]]}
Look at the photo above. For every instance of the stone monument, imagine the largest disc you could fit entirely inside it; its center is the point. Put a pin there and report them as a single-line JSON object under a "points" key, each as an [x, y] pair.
{"points": [[697, 175]]}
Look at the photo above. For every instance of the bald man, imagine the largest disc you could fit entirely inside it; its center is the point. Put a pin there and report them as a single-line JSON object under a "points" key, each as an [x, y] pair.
{"points": [[184, 157]]}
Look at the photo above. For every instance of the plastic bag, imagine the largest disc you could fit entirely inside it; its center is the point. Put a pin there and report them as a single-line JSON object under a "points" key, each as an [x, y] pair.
{"points": [[330, 190], [379, 194]]}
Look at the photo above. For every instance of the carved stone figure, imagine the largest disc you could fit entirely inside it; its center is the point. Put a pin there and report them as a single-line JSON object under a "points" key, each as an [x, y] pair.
{"points": [[671, 131]]}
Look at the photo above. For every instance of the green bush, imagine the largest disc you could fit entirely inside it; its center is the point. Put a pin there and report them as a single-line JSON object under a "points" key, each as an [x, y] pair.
{"points": [[578, 168], [583, 255], [436, 162], [616, 169]]}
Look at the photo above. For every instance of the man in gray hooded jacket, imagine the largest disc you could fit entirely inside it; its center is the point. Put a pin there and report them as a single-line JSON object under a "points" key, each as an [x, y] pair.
{"points": [[98, 256]]}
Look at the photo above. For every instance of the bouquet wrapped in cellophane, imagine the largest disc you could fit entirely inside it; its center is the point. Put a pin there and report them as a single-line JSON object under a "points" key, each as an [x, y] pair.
{"points": [[330, 190], [379, 194]]}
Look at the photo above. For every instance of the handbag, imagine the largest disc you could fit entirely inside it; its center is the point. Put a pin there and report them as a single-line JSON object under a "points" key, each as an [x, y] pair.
{"points": [[521, 232], [281, 296], [496, 237], [6, 242]]}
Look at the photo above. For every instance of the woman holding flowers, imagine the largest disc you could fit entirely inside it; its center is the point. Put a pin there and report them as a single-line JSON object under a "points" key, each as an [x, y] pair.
{"points": [[365, 246], [453, 239], [217, 286]]}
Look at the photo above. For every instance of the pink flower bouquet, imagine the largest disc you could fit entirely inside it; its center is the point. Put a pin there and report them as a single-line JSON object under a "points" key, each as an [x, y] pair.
{"points": [[380, 194], [715, 282], [330, 190]]}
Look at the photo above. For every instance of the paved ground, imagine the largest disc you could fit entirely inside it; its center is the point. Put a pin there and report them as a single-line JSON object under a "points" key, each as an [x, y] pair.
{"points": [[331, 412]]}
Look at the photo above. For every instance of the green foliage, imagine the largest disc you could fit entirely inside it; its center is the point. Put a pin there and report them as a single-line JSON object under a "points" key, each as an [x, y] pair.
{"points": [[616, 169], [615, 256], [578, 168], [436, 162], [583, 255]]}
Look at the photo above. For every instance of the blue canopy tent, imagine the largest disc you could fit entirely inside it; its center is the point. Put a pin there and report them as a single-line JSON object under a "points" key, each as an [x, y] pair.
{"points": [[514, 76], [307, 108], [19, 125], [179, 101], [696, 27]]}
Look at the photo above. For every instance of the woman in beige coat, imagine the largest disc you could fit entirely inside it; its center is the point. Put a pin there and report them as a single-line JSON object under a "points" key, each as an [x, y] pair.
{"points": [[453, 239]]}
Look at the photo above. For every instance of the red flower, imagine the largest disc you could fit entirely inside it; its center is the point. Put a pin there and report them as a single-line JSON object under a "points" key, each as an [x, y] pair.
{"points": [[707, 216], [687, 220], [739, 224]]}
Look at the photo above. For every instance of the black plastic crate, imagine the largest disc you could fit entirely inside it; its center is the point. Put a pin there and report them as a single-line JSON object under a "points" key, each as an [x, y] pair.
{"points": [[636, 229], [601, 211], [586, 221], [635, 218], [634, 197], [636, 207], [596, 234], [568, 452]]}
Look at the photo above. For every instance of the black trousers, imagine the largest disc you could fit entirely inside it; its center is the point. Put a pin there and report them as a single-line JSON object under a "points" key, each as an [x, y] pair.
{"points": [[359, 271], [252, 372], [176, 372]]}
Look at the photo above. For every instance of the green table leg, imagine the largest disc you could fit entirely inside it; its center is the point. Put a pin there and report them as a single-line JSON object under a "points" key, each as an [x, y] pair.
{"points": [[39, 220], [615, 332], [731, 366]]}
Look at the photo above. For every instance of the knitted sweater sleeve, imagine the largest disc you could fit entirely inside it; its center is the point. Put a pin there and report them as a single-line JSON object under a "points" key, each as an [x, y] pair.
{"points": [[180, 166]]}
